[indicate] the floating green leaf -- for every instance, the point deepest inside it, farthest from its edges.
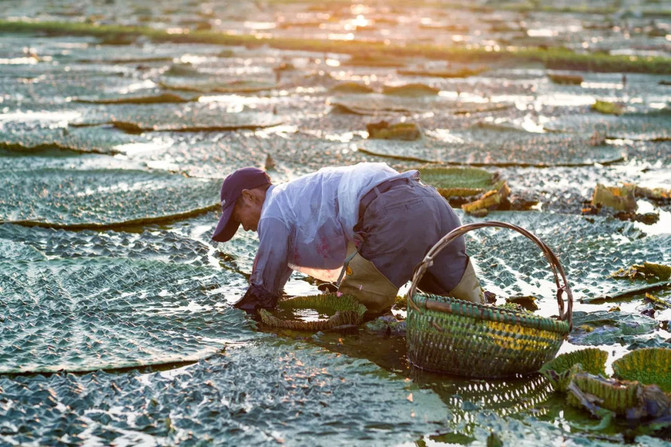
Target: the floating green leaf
(498, 148)
(559, 370)
(457, 182)
(95, 313)
(101, 198)
(341, 311)
(190, 117)
(650, 366)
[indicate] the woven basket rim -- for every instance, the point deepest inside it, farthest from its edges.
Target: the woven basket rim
(491, 313)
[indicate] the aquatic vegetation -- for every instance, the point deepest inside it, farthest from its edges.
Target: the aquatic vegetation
(528, 302)
(649, 366)
(25, 140)
(594, 393)
(486, 147)
(342, 310)
(453, 73)
(398, 131)
(456, 181)
(186, 117)
(559, 371)
(343, 390)
(78, 199)
(351, 88)
(608, 328)
(645, 271)
(565, 79)
(492, 199)
(91, 313)
(366, 53)
(619, 198)
(163, 98)
(607, 108)
(411, 90)
(216, 85)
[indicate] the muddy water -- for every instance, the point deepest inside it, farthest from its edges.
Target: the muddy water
(117, 326)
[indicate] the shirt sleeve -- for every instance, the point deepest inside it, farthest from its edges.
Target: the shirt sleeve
(271, 265)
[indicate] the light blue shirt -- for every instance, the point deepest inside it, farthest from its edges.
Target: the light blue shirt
(309, 221)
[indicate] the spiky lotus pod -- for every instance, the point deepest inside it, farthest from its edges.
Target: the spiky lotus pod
(559, 370)
(342, 310)
(594, 392)
(648, 366)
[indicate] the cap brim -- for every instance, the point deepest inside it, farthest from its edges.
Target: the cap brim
(226, 227)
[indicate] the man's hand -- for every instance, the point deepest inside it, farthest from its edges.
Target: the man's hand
(256, 298)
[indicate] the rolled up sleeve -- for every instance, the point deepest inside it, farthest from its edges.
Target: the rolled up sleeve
(271, 265)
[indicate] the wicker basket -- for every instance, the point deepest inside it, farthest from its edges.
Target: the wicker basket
(458, 337)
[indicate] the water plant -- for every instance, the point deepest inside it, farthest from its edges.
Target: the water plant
(560, 369)
(607, 108)
(412, 90)
(648, 366)
(342, 310)
(553, 58)
(457, 181)
(645, 271)
(398, 131)
(565, 79)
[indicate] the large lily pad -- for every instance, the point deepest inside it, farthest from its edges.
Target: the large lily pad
(101, 198)
(87, 314)
(607, 328)
(649, 366)
(457, 182)
(191, 117)
(499, 148)
(589, 248)
(650, 127)
(20, 138)
(373, 104)
(216, 85)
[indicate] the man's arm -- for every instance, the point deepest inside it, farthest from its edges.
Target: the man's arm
(271, 270)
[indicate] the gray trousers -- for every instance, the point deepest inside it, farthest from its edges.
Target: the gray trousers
(400, 226)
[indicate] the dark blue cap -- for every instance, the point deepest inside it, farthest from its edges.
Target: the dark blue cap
(231, 189)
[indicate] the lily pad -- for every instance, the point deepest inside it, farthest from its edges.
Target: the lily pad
(648, 127)
(457, 182)
(161, 98)
(376, 103)
(608, 328)
(342, 310)
(649, 366)
(190, 117)
(559, 370)
(22, 139)
(65, 198)
(351, 88)
(95, 313)
(589, 248)
(216, 85)
(487, 147)
(410, 90)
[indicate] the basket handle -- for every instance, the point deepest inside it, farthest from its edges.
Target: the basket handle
(556, 267)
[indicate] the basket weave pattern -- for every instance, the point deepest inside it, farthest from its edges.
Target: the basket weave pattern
(472, 346)
(452, 336)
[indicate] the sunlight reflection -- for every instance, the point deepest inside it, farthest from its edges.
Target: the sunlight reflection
(341, 36)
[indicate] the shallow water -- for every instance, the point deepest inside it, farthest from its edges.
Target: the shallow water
(117, 325)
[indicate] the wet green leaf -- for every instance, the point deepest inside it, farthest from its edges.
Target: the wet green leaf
(98, 198)
(96, 313)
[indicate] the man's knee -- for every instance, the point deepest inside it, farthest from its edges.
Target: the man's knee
(370, 287)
